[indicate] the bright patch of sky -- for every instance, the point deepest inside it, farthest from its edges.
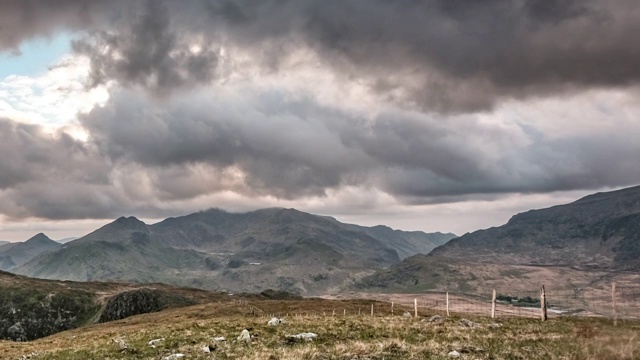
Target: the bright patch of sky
(34, 56)
(45, 85)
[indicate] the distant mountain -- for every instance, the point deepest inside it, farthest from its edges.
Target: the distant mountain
(283, 249)
(66, 240)
(3, 242)
(16, 254)
(599, 233)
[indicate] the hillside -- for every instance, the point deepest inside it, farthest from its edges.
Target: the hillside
(573, 245)
(284, 249)
(33, 308)
(16, 254)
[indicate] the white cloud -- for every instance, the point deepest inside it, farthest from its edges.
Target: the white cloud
(52, 99)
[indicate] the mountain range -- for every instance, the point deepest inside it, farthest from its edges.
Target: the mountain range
(283, 249)
(577, 244)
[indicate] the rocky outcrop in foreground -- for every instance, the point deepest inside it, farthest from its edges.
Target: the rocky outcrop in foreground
(141, 301)
(27, 314)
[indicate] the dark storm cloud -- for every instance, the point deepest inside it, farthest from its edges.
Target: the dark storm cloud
(247, 134)
(294, 148)
(28, 154)
(439, 55)
(24, 19)
(432, 63)
(149, 52)
(51, 177)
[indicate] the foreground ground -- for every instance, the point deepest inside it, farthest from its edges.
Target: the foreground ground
(350, 337)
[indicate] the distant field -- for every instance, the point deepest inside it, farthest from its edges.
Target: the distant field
(349, 337)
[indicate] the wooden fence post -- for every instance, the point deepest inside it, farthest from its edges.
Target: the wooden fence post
(543, 304)
(391, 308)
(415, 308)
(613, 303)
(493, 305)
(447, 299)
(345, 312)
(371, 309)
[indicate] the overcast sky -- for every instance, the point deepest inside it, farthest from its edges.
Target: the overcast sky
(422, 115)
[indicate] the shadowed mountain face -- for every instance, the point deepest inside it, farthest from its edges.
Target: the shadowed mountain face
(13, 255)
(576, 243)
(600, 231)
(284, 249)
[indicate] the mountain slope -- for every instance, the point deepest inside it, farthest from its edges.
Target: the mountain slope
(33, 308)
(598, 231)
(574, 244)
(283, 249)
(16, 254)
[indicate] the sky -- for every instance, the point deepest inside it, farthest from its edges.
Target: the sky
(431, 115)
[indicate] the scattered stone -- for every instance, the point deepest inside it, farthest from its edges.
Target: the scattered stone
(299, 337)
(274, 322)
(208, 348)
(436, 319)
(155, 342)
(121, 344)
(407, 314)
(454, 354)
(29, 356)
(495, 325)
(468, 323)
(219, 338)
(245, 337)
(173, 357)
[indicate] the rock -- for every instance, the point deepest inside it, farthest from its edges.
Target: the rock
(468, 323)
(173, 357)
(407, 314)
(245, 337)
(16, 332)
(453, 354)
(121, 343)
(208, 348)
(140, 301)
(219, 338)
(274, 322)
(301, 337)
(495, 325)
(436, 319)
(155, 342)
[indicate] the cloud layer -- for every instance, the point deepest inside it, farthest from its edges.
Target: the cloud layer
(366, 104)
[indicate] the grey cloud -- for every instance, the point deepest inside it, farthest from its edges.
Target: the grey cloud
(30, 155)
(25, 19)
(148, 52)
(295, 148)
(438, 55)
(248, 134)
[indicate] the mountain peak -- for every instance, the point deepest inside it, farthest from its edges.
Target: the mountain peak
(39, 238)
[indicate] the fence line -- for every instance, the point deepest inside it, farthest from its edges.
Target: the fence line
(618, 303)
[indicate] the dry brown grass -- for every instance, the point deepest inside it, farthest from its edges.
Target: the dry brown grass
(340, 337)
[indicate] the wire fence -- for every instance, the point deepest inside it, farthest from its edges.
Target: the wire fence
(618, 304)
(615, 303)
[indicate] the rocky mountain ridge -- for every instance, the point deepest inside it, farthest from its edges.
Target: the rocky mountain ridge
(284, 249)
(572, 245)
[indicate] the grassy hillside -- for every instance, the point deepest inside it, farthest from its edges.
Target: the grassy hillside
(33, 308)
(188, 330)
